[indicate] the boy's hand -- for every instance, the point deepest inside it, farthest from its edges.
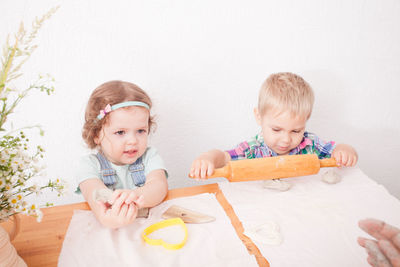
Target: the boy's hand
(201, 168)
(206, 163)
(345, 155)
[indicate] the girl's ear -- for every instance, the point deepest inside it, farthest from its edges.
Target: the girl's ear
(100, 134)
(97, 140)
(257, 116)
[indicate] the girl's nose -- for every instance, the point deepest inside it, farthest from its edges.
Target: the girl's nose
(132, 139)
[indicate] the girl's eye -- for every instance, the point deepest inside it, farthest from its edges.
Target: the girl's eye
(120, 132)
(296, 131)
(142, 131)
(275, 130)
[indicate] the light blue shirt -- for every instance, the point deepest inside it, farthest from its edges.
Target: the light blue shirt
(88, 167)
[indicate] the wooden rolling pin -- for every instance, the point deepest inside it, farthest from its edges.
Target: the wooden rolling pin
(272, 167)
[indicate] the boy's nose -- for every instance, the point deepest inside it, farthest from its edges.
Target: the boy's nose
(286, 138)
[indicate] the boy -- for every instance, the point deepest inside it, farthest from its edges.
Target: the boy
(284, 105)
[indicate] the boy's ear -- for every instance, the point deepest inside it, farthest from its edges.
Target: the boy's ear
(257, 116)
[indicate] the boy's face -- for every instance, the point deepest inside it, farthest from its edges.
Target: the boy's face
(123, 139)
(281, 131)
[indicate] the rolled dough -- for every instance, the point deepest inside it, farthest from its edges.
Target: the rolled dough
(331, 177)
(277, 184)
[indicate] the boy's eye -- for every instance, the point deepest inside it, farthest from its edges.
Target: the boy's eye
(275, 129)
(296, 131)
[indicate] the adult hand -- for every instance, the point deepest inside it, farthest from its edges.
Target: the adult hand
(384, 251)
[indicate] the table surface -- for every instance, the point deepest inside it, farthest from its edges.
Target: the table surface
(39, 244)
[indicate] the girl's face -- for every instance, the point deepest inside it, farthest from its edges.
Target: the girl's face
(123, 139)
(281, 131)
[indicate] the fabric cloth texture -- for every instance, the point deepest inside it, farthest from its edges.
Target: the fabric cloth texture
(88, 243)
(318, 221)
(89, 167)
(256, 148)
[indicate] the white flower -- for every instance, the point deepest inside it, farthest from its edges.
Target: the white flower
(8, 188)
(18, 166)
(32, 209)
(14, 165)
(39, 215)
(35, 189)
(61, 186)
(2, 182)
(15, 200)
(4, 214)
(5, 154)
(23, 153)
(6, 193)
(3, 160)
(37, 168)
(14, 179)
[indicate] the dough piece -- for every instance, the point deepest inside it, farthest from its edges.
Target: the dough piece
(331, 177)
(277, 184)
(267, 233)
(102, 194)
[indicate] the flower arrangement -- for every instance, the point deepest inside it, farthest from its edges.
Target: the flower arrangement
(20, 165)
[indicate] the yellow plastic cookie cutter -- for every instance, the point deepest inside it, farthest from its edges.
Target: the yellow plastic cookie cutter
(164, 224)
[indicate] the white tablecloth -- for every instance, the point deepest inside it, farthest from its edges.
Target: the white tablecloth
(88, 243)
(318, 221)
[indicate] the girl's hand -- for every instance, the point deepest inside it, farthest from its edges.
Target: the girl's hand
(201, 168)
(345, 155)
(128, 197)
(122, 208)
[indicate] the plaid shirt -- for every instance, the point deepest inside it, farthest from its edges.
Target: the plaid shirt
(256, 148)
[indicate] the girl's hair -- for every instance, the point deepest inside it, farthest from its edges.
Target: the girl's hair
(286, 91)
(112, 93)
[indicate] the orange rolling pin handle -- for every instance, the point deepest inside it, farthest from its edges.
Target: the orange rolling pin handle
(329, 162)
(225, 171)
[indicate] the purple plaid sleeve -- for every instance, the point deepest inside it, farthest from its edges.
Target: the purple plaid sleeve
(318, 146)
(240, 152)
(256, 148)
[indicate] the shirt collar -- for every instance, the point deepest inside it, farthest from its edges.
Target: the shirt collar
(304, 142)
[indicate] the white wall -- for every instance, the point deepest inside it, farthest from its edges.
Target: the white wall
(203, 62)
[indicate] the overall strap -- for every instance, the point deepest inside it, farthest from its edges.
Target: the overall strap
(107, 172)
(137, 172)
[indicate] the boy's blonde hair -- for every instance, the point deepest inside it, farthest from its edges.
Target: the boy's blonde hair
(286, 91)
(112, 93)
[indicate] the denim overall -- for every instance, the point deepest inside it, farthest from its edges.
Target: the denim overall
(108, 174)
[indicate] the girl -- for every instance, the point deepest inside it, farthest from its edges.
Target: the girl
(117, 125)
